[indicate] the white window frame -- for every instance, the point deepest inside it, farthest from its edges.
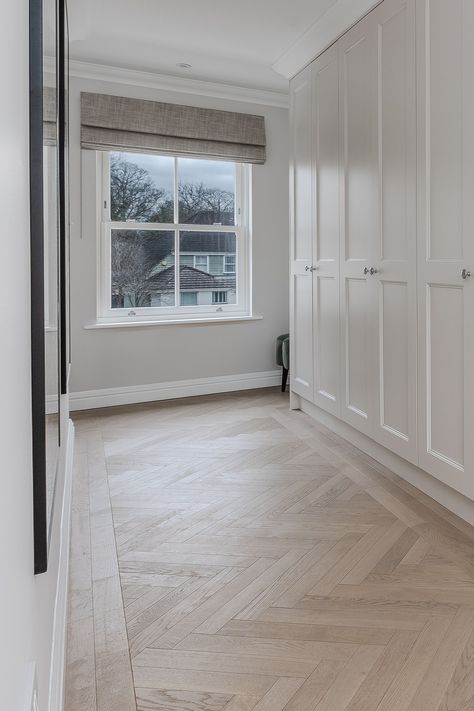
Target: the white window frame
(242, 230)
(219, 291)
(200, 256)
(224, 269)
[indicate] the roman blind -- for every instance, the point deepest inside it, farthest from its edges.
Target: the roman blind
(49, 116)
(137, 125)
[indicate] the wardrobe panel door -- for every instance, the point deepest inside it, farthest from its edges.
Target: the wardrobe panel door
(301, 351)
(358, 314)
(395, 425)
(325, 78)
(301, 206)
(446, 246)
(445, 324)
(358, 101)
(395, 366)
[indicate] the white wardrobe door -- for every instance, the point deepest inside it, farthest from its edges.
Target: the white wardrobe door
(446, 189)
(360, 222)
(395, 406)
(301, 199)
(325, 78)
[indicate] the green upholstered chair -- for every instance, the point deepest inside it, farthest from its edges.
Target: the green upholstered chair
(283, 357)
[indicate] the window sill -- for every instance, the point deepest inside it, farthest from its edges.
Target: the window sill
(171, 322)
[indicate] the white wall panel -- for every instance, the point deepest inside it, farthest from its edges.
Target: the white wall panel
(327, 343)
(357, 309)
(446, 244)
(360, 222)
(395, 395)
(445, 120)
(445, 372)
(301, 230)
(395, 259)
(327, 215)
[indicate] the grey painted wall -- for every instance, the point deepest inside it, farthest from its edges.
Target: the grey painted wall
(110, 358)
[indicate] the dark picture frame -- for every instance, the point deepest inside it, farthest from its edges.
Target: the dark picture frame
(63, 144)
(38, 377)
(49, 249)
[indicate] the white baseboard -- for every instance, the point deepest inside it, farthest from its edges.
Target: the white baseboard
(58, 652)
(51, 404)
(444, 495)
(107, 397)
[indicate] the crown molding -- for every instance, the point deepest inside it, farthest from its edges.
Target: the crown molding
(167, 82)
(337, 20)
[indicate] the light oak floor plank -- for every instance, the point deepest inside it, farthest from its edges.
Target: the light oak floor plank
(228, 554)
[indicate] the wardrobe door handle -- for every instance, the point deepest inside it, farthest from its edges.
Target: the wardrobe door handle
(465, 274)
(366, 270)
(373, 270)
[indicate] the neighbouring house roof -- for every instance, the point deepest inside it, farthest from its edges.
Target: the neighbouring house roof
(158, 248)
(190, 279)
(211, 217)
(195, 242)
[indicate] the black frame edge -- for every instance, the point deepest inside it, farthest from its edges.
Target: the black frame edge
(63, 203)
(40, 523)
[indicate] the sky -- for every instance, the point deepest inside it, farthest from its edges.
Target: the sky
(213, 173)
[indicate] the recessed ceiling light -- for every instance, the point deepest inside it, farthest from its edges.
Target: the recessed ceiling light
(184, 65)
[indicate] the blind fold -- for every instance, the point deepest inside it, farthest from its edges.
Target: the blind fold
(121, 123)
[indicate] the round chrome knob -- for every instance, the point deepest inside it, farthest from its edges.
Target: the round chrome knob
(465, 274)
(366, 270)
(373, 270)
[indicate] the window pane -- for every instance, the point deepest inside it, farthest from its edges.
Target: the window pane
(229, 263)
(141, 188)
(206, 191)
(201, 262)
(219, 297)
(188, 298)
(208, 249)
(142, 268)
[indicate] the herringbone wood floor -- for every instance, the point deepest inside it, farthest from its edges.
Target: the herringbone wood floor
(229, 555)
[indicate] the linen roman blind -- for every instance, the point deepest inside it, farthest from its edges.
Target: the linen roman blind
(49, 116)
(125, 124)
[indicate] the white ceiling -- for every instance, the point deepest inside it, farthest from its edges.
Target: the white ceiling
(227, 41)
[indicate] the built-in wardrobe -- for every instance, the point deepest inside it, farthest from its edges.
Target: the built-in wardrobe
(382, 237)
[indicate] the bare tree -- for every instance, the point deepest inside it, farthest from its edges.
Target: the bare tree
(130, 270)
(204, 205)
(134, 195)
(135, 260)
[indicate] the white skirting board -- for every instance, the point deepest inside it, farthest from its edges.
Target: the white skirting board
(51, 404)
(444, 495)
(107, 397)
(58, 652)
